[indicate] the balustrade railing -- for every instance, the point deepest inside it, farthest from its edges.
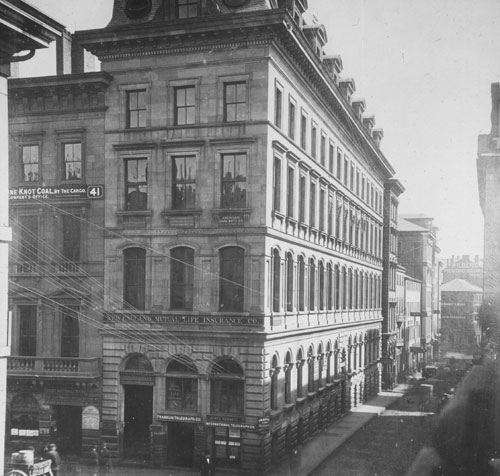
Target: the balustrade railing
(46, 366)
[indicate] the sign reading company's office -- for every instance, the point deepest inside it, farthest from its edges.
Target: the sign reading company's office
(56, 192)
(191, 320)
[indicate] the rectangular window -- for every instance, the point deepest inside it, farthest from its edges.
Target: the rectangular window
(184, 105)
(31, 161)
(181, 278)
(291, 120)
(346, 171)
(277, 185)
(357, 183)
(136, 108)
(27, 330)
(136, 185)
(70, 338)
(322, 197)
(331, 157)
(363, 188)
(303, 130)
(73, 161)
(314, 139)
(322, 151)
(312, 205)
(339, 164)
(187, 8)
(351, 182)
(235, 101)
(28, 239)
(331, 203)
(71, 235)
(278, 105)
(290, 209)
(184, 182)
(234, 177)
(302, 202)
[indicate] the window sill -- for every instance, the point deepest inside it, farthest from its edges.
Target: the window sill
(185, 218)
(132, 213)
(288, 407)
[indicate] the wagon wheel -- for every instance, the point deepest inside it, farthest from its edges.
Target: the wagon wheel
(16, 472)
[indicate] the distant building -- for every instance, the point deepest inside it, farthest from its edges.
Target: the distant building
(488, 173)
(418, 253)
(464, 267)
(460, 330)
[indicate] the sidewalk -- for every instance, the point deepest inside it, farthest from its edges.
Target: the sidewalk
(323, 444)
(312, 453)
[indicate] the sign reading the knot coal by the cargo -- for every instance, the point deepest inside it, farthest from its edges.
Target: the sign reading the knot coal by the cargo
(57, 192)
(190, 320)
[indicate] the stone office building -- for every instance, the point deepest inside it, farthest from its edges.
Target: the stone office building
(242, 236)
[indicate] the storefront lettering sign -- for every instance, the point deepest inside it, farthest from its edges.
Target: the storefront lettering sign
(226, 419)
(90, 418)
(244, 426)
(184, 418)
(57, 192)
(194, 320)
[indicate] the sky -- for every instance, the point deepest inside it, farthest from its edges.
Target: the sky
(425, 69)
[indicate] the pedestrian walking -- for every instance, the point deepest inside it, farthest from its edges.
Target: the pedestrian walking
(104, 461)
(55, 459)
(295, 462)
(94, 454)
(207, 465)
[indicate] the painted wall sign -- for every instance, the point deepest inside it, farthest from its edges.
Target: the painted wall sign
(184, 418)
(175, 319)
(56, 192)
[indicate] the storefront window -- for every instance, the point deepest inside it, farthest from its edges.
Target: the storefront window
(227, 388)
(24, 411)
(227, 446)
(182, 386)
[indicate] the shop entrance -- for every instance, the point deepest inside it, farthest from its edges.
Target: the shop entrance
(180, 444)
(137, 419)
(69, 429)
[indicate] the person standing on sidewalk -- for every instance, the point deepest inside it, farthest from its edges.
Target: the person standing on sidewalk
(94, 453)
(295, 462)
(55, 459)
(105, 468)
(207, 465)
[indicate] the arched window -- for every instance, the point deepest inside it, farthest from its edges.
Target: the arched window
(361, 350)
(300, 364)
(312, 284)
(276, 280)
(181, 278)
(231, 278)
(344, 288)
(289, 282)
(329, 287)
(361, 291)
(349, 355)
(227, 387)
(24, 413)
(302, 283)
(288, 377)
(310, 370)
(320, 357)
(337, 287)
(134, 279)
(356, 290)
(275, 370)
(137, 371)
(182, 385)
(336, 359)
(321, 275)
(350, 290)
(328, 355)
(355, 354)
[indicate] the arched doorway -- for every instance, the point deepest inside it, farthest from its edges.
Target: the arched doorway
(138, 383)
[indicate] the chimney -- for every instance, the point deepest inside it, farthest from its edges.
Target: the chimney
(359, 106)
(378, 135)
(369, 122)
(71, 58)
(347, 86)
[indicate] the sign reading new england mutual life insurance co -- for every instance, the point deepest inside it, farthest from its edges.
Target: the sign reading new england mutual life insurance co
(57, 192)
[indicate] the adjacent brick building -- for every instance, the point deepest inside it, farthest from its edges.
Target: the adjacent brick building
(232, 241)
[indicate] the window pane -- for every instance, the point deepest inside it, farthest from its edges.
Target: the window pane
(135, 277)
(231, 279)
(71, 238)
(30, 163)
(136, 172)
(182, 278)
(70, 332)
(27, 330)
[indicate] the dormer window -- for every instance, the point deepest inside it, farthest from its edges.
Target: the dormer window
(187, 8)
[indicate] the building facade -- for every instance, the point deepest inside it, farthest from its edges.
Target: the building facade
(488, 164)
(460, 329)
(418, 253)
(236, 280)
(464, 267)
(23, 31)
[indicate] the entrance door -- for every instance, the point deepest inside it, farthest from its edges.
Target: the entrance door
(138, 417)
(180, 444)
(69, 429)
